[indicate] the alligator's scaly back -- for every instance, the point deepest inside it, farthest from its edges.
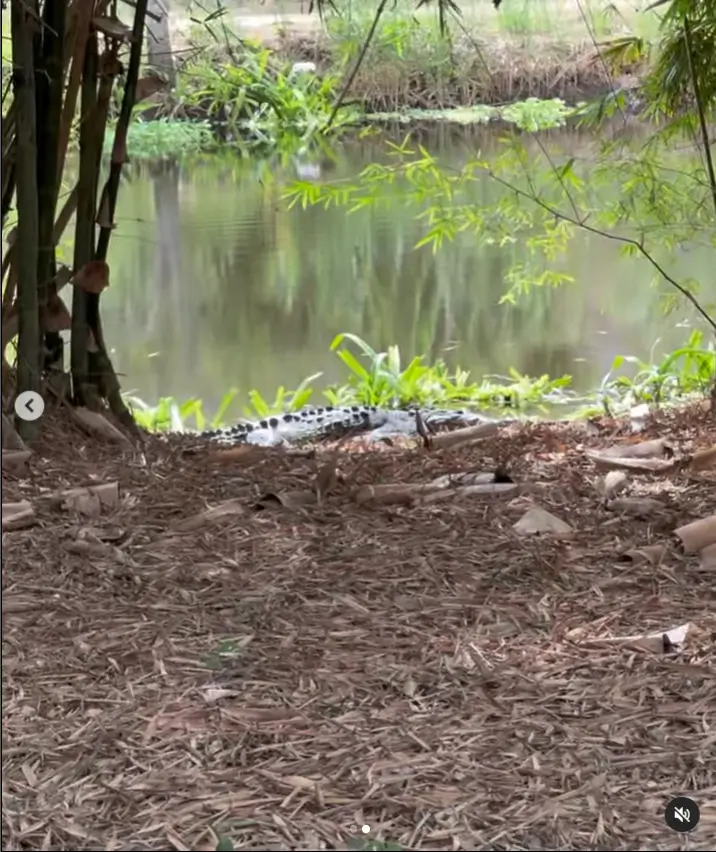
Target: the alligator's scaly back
(315, 423)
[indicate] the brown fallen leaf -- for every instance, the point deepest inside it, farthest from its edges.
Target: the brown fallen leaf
(112, 27)
(326, 478)
(17, 516)
(614, 483)
(15, 460)
(460, 437)
(634, 465)
(148, 86)
(97, 549)
(658, 448)
(56, 316)
(539, 520)
(488, 489)
(241, 452)
(388, 494)
(95, 424)
(652, 553)
(708, 557)
(454, 480)
(225, 510)
(212, 694)
(10, 439)
(657, 642)
(90, 500)
(639, 507)
(294, 500)
(697, 535)
(93, 277)
(704, 459)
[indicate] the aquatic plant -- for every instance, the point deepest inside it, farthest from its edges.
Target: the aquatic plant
(165, 137)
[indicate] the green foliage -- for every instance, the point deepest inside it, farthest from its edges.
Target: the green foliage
(153, 140)
(170, 415)
(686, 50)
(686, 372)
(283, 400)
(258, 101)
(381, 379)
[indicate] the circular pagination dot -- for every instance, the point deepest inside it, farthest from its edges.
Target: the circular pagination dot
(365, 829)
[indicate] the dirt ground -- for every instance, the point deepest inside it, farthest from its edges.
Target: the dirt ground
(284, 672)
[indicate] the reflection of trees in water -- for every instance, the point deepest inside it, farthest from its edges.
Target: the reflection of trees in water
(227, 271)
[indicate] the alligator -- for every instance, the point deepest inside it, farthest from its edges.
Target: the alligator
(332, 422)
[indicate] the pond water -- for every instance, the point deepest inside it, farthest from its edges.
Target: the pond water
(215, 284)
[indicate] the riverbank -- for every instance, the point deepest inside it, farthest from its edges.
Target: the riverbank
(280, 673)
(543, 49)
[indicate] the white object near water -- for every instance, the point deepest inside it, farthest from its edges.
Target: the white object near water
(302, 68)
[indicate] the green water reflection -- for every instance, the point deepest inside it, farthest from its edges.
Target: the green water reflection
(216, 284)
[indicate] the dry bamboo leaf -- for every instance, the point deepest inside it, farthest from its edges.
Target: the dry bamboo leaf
(634, 465)
(93, 277)
(538, 520)
(17, 516)
(653, 554)
(212, 694)
(489, 489)
(243, 452)
(148, 86)
(639, 417)
(326, 478)
(15, 460)
(90, 500)
(96, 424)
(98, 550)
(658, 642)
(708, 557)
(109, 65)
(704, 459)
(57, 317)
(10, 439)
(657, 448)
(227, 509)
(454, 480)
(112, 27)
(614, 483)
(698, 534)
(639, 507)
(393, 494)
(294, 500)
(460, 437)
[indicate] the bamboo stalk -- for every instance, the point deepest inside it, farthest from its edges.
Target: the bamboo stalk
(28, 348)
(84, 225)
